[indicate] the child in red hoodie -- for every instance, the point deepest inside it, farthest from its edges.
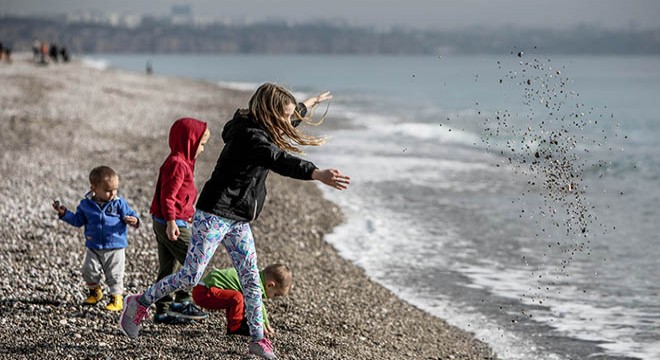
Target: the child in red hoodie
(172, 209)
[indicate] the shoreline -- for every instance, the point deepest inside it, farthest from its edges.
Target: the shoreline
(59, 121)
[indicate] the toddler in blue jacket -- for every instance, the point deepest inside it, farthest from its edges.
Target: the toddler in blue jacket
(105, 217)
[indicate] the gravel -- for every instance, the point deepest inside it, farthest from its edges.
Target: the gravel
(59, 121)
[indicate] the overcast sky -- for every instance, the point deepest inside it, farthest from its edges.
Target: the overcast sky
(443, 14)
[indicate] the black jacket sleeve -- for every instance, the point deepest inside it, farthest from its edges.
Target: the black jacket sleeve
(272, 157)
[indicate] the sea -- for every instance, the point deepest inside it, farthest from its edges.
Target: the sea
(515, 196)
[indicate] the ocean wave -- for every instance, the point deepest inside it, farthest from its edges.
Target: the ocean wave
(252, 86)
(242, 86)
(375, 238)
(99, 64)
(574, 313)
(426, 131)
(391, 126)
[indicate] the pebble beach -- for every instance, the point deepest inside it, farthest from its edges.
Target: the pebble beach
(59, 121)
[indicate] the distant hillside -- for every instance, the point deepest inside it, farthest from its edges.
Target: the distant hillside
(159, 36)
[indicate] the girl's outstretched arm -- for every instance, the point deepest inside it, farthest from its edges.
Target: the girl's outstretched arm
(332, 177)
(315, 100)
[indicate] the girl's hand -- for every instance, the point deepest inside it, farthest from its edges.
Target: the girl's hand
(269, 332)
(315, 100)
(332, 177)
(61, 210)
(132, 221)
(172, 230)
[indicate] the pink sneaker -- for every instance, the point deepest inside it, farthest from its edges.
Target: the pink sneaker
(262, 348)
(132, 316)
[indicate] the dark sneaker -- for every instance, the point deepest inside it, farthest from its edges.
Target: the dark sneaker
(171, 320)
(132, 316)
(244, 329)
(262, 348)
(186, 310)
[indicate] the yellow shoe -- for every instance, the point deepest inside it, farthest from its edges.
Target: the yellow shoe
(116, 303)
(95, 295)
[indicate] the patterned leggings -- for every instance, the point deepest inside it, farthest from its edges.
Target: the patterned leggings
(208, 231)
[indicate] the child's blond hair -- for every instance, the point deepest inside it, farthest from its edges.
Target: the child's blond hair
(267, 104)
(280, 274)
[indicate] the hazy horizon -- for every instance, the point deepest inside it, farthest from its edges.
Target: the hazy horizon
(420, 14)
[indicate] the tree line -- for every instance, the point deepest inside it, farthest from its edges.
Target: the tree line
(160, 36)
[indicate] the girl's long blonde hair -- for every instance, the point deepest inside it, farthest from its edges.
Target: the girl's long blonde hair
(267, 108)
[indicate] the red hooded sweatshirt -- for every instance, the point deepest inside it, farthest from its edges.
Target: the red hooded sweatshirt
(175, 189)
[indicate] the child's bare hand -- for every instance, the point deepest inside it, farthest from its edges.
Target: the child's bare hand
(323, 97)
(332, 177)
(61, 210)
(315, 100)
(132, 221)
(172, 230)
(269, 332)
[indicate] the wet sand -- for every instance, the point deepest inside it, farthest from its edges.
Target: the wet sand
(59, 121)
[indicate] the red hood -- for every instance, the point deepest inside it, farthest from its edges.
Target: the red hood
(185, 136)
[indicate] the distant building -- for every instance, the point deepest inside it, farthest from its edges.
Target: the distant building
(104, 18)
(132, 21)
(181, 14)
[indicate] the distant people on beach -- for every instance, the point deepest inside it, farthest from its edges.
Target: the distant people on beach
(5, 53)
(53, 52)
(64, 53)
(172, 210)
(149, 69)
(257, 140)
(221, 290)
(105, 217)
(43, 52)
(36, 51)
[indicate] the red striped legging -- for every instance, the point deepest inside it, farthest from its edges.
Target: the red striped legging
(214, 298)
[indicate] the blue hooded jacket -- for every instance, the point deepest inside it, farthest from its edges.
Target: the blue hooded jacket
(104, 226)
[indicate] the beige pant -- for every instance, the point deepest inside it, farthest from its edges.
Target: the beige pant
(109, 262)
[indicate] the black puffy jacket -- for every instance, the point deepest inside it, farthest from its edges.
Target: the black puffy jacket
(237, 187)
